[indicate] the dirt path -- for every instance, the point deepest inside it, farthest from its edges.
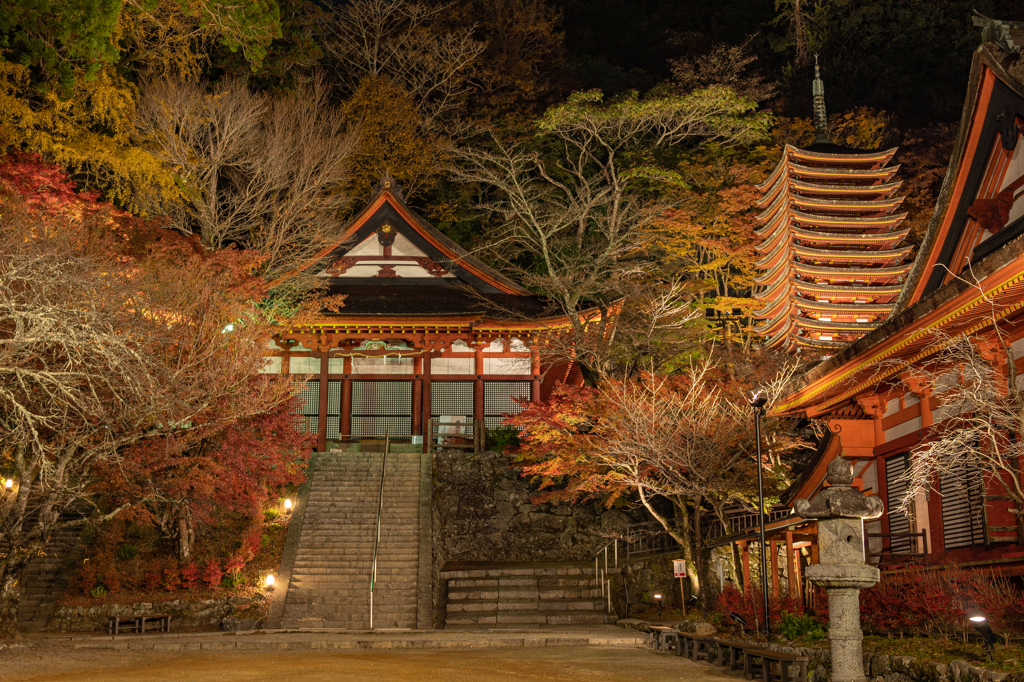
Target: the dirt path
(556, 664)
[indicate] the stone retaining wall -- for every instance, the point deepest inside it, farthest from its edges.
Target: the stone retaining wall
(185, 614)
(876, 668)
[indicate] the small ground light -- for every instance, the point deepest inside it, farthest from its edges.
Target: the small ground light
(661, 604)
(9, 483)
(287, 504)
(980, 624)
(269, 580)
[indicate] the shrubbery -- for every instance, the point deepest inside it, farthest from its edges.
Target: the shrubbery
(940, 602)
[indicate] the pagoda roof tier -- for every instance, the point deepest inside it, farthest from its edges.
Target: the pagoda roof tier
(776, 308)
(880, 275)
(833, 275)
(854, 157)
(836, 291)
(885, 240)
(775, 325)
(840, 307)
(866, 192)
(863, 223)
(779, 272)
(882, 206)
(809, 342)
(867, 176)
(818, 326)
(772, 292)
(828, 207)
(780, 247)
(882, 257)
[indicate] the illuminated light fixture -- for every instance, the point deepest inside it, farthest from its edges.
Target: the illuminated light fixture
(825, 337)
(980, 624)
(269, 580)
(228, 328)
(9, 483)
(862, 319)
(287, 504)
(824, 300)
(824, 319)
(661, 604)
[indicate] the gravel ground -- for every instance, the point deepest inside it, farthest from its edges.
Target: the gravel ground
(582, 663)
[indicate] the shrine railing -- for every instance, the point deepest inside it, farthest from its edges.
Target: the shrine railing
(903, 548)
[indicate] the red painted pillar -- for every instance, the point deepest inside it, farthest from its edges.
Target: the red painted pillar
(426, 400)
(478, 385)
(346, 399)
(535, 371)
(417, 397)
(321, 434)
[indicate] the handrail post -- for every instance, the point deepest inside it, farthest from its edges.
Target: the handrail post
(380, 509)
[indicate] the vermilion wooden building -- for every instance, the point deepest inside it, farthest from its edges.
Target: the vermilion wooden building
(830, 243)
(967, 278)
(428, 335)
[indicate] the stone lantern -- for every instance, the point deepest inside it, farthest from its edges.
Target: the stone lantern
(842, 571)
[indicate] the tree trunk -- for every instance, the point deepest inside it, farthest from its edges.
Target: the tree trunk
(685, 542)
(184, 537)
(10, 591)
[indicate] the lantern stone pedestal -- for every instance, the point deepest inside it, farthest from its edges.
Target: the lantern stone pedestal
(842, 571)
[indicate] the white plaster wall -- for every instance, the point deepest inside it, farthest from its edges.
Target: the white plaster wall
(452, 366)
(460, 346)
(910, 399)
(1014, 171)
(271, 366)
(909, 426)
(517, 366)
(336, 366)
(304, 365)
(382, 365)
(892, 407)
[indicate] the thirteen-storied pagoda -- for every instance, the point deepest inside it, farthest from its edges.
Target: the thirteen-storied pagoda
(831, 255)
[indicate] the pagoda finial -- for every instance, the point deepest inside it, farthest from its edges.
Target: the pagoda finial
(820, 117)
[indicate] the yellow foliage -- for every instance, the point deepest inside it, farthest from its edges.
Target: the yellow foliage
(393, 139)
(92, 133)
(862, 128)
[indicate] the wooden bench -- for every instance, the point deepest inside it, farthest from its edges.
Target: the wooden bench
(730, 654)
(115, 624)
(661, 638)
(768, 657)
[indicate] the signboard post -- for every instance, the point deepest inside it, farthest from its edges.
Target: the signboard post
(679, 569)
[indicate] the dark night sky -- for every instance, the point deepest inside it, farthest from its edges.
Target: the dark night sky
(910, 57)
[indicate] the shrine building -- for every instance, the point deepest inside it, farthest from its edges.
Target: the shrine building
(429, 337)
(876, 388)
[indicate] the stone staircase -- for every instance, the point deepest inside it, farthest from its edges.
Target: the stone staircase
(40, 581)
(523, 596)
(329, 581)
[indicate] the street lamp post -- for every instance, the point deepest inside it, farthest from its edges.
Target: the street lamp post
(758, 402)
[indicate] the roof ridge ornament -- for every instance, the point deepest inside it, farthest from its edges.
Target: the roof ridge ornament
(387, 182)
(820, 116)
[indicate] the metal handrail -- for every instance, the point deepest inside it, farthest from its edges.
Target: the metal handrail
(380, 508)
(603, 581)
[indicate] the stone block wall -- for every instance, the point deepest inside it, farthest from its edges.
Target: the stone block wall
(482, 512)
(185, 614)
